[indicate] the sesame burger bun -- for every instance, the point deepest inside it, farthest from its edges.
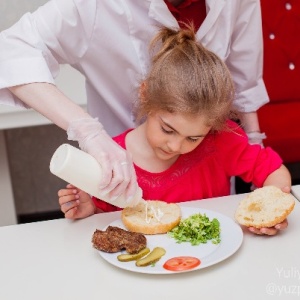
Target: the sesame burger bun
(264, 207)
(151, 217)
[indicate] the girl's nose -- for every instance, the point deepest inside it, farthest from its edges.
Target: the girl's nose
(174, 145)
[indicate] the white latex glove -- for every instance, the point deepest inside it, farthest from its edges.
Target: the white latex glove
(256, 138)
(250, 123)
(119, 176)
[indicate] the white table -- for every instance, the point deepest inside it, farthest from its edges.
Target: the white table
(72, 84)
(55, 260)
(296, 191)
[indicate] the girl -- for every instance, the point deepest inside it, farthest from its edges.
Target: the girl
(186, 147)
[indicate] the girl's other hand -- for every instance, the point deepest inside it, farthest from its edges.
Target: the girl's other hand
(269, 230)
(74, 203)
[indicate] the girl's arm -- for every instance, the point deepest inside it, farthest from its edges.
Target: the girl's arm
(280, 178)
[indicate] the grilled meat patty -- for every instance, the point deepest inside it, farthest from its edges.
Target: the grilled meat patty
(115, 239)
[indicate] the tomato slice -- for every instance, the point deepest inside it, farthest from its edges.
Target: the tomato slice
(181, 263)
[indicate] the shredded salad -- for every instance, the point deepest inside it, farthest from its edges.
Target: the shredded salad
(197, 229)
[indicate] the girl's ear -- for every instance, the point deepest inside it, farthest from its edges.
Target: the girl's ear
(142, 91)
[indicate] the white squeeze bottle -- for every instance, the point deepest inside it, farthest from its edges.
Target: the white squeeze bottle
(83, 171)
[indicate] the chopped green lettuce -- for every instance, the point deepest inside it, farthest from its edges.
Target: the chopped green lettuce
(197, 229)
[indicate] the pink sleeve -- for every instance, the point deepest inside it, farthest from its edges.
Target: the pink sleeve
(250, 162)
(106, 207)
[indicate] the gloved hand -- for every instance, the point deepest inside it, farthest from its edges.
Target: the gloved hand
(119, 176)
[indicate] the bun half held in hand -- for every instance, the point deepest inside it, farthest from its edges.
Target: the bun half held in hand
(264, 207)
(151, 217)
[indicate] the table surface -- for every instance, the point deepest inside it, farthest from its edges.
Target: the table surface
(296, 191)
(56, 260)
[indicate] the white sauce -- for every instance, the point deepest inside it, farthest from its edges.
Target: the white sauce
(157, 213)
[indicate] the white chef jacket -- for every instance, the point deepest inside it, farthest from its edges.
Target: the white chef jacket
(107, 41)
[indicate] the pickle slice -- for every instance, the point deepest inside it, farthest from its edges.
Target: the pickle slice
(130, 257)
(151, 258)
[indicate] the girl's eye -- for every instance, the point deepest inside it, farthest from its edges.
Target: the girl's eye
(166, 131)
(193, 140)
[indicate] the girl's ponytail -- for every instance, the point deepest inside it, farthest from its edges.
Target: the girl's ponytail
(169, 39)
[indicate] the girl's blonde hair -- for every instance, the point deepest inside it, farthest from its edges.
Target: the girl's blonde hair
(186, 78)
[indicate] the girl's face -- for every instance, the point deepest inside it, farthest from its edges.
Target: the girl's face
(173, 134)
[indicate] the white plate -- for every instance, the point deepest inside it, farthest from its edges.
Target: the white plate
(209, 254)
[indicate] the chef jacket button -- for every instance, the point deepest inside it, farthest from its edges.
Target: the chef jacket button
(288, 6)
(272, 36)
(291, 66)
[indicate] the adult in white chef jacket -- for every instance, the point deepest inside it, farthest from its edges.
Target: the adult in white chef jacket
(107, 41)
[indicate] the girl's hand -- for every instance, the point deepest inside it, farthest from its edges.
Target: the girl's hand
(269, 230)
(278, 227)
(74, 203)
